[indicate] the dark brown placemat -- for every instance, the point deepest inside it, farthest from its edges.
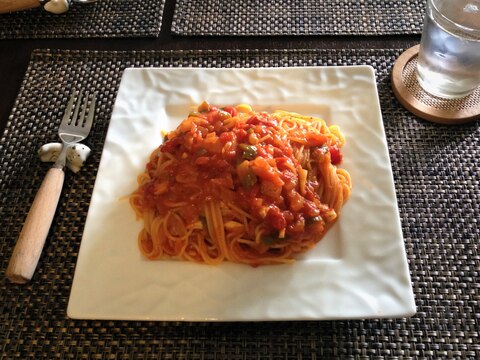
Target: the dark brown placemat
(298, 17)
(437, 180)
(104, 18)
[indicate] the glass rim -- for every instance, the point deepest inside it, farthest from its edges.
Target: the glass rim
(472, 31)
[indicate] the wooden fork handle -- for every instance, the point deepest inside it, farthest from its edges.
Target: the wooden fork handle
(30, 243)
(7, 6)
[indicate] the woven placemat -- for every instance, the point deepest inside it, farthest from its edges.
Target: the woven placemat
(437, 180)
(104, 18)
(298, 17)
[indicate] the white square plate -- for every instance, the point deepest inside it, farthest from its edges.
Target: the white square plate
(358, 270)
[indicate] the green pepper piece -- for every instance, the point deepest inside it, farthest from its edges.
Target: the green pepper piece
(249, 151)
(269, 239)
(249, 180)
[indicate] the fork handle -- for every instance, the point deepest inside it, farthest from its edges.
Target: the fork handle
(30, 243)
(7, 6)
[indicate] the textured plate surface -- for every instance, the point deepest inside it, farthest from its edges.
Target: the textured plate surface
(359, 269)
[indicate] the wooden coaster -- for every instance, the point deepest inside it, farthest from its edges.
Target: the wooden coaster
(429, 107)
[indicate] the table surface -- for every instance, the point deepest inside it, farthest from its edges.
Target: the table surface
(15, 57)
(15, 54)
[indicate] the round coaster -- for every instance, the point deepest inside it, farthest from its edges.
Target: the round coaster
(430, 107)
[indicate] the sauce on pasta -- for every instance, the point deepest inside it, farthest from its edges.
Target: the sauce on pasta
(233, 184)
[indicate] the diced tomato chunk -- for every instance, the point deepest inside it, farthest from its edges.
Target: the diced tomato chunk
(212, 116)
(202, 160)
(275, 218)
(226, 136)
(262, 169)
(314, 139)
(170, 145)
(241, 135)
(262, 119)
(231, 110)
(335, 155)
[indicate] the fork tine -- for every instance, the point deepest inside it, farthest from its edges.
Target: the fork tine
(68, 110)
(84, 109)
(91, 111)
(77, 108)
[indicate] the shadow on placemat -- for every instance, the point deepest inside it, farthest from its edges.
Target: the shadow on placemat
(436, 174)
(104, 18)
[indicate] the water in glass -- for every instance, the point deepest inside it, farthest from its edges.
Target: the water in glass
(449, 57)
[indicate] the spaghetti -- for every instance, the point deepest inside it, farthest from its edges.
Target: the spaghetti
(232, 184)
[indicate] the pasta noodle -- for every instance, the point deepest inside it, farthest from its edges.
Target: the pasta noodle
(233, 184)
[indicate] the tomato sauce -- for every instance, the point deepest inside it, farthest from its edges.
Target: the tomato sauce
(250, 163)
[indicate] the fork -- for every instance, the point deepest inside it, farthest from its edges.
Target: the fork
(75, 126)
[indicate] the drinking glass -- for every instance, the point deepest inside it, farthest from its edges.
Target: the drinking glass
(449, 58)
